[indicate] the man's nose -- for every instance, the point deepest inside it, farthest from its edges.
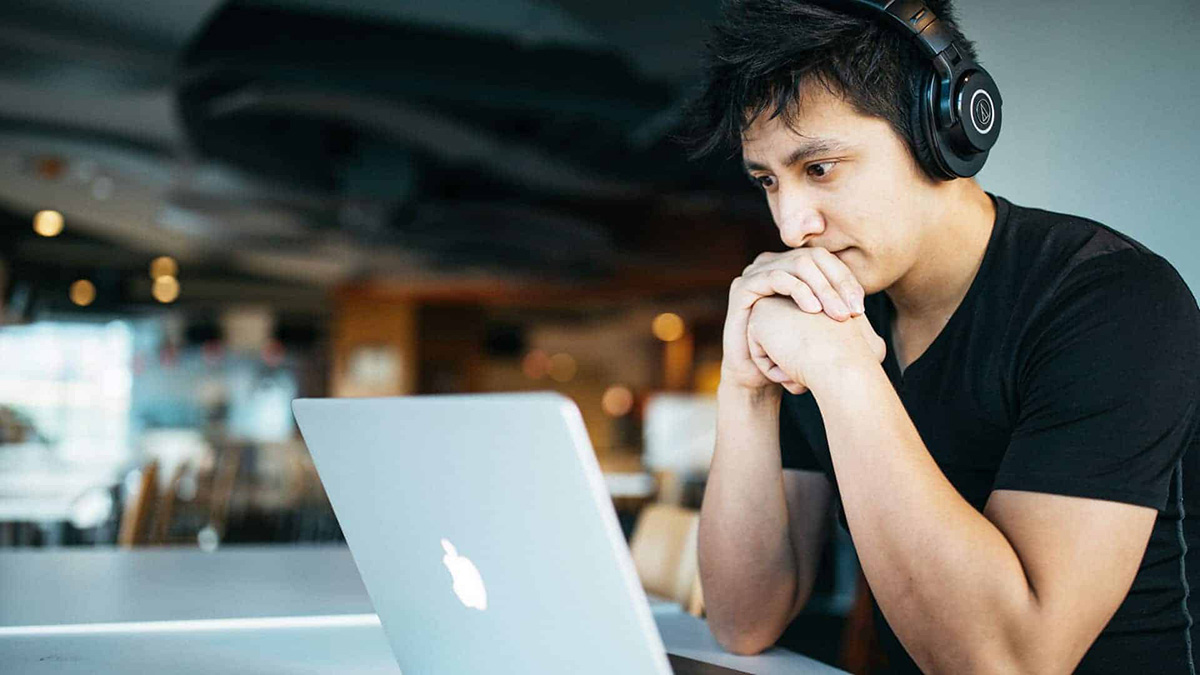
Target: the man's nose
(799, 223)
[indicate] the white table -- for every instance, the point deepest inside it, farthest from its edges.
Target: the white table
(244, 610)
(36, 486)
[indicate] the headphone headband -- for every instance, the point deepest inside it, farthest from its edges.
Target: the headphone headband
(960, 106)
(914, 18)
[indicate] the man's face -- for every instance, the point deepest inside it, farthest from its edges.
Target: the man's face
(841, 180)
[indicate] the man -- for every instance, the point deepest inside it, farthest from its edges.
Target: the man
(1001, 402)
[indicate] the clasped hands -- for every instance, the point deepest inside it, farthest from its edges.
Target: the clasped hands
(793, 318)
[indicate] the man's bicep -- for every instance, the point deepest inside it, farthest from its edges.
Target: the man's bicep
(809, 496)
(1080, 556)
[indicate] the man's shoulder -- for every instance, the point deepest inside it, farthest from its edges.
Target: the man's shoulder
(1065, 272)
(1066, 240)
(1046, 253)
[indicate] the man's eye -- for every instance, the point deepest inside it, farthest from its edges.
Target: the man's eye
(764, 182)
(820, 169)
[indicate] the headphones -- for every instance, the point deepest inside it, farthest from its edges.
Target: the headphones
(958, 114)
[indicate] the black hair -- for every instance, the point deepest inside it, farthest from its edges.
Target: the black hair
(763, 52)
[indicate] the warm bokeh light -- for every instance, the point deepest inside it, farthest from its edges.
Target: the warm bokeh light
(83, 293)
(708, 377)
(562, 367)
(164, 266)
(536, 364)
(667, 327)
(166, 289)
(617, 401)
(48, 223)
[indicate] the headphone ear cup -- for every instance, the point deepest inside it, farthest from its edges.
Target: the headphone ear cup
(922, 124)
(938, 144)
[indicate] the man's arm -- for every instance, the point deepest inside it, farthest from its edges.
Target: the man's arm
(762, 529)
(1107, 406)
(1025, 587)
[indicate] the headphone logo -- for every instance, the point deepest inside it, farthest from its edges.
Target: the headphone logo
(982, 111)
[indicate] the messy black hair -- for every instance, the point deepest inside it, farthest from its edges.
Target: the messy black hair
(763, 53)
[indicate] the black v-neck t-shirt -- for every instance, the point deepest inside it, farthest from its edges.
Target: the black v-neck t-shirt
(1072, 367)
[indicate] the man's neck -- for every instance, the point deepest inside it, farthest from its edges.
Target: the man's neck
(953, 250)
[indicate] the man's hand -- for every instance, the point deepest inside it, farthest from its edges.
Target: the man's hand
(790, 346)
(815, 280)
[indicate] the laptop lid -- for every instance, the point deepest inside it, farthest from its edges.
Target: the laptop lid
(483, 533)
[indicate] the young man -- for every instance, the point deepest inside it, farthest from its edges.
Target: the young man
(1001, 402)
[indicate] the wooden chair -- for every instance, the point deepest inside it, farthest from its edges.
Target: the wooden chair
(177, 520)
(695, 605)
(138, 517)
(167, 505)
(664, 553)
(861, 653)
(224, 480)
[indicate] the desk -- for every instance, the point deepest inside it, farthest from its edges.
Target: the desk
(248, 610)
(95, 585)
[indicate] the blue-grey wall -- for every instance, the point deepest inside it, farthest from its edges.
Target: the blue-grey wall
(1102, 106)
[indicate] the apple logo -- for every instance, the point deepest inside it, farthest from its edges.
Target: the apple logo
(468, 585)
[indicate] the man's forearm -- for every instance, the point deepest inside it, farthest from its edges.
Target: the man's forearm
(948, 581)
(745, 555)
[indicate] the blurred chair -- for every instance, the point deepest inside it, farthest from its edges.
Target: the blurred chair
(166, 506)
(224, 480)
(194, 507)
(861, 652)
(664, 549)
(671, 487)
(695, 605)
(138, 517)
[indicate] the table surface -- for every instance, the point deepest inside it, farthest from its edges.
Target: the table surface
(239, 609)
(66, 586)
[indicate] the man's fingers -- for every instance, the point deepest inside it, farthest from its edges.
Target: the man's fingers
(806, 299)
(771, 371)
(841, 278)
(832, 283)
(760, 259)
(767, 367)
(794, 388)
(759, 357)
(764, 366)
(800, 292)
(808, 272)
(777, 282)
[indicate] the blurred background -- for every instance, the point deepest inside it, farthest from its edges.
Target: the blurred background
(209, 208)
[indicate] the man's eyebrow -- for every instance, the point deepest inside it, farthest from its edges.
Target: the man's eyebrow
(807, 150)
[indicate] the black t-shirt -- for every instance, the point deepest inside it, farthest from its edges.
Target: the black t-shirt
(1072, 366)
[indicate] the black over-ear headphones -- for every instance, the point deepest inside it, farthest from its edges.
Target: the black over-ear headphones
(958, 116)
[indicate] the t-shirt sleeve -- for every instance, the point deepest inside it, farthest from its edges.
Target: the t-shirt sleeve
(794, 448)
(1107, 391)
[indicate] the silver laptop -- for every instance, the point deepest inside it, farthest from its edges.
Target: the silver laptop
(484, 534)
